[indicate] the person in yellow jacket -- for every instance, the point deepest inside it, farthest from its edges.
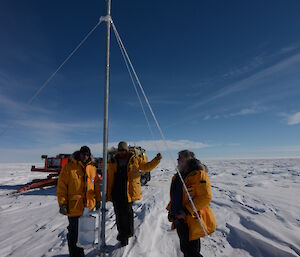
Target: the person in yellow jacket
(181, 212)
(124, 187)
(78, 187)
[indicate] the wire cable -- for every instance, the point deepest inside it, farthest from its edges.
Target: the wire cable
(29, 102)
(159, 128)
(138, 95)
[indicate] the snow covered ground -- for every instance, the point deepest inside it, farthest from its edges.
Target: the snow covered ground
(256, 203)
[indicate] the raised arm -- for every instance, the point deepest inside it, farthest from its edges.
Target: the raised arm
(148, 166)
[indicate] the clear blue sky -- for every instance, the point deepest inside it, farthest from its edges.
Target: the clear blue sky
(223, 77)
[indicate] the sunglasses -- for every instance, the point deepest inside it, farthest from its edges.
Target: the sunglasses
(85, 154)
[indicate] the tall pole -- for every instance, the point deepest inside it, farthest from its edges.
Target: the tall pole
(101, 235)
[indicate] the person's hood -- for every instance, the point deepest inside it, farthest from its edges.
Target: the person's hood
(76, 157)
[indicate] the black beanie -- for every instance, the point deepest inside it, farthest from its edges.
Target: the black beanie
(85, 149)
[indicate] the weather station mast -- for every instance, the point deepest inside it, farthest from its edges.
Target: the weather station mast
(101, 234)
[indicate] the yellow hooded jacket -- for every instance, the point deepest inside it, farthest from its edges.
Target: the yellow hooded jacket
(198, 185)
(135, 164)
(78, 188)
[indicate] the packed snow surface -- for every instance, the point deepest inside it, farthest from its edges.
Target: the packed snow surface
(256, 204)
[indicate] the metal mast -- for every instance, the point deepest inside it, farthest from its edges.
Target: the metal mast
(101, 235)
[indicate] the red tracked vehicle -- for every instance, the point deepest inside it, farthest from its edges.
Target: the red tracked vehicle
(53, 166)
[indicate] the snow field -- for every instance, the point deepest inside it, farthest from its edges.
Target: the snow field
(256, 204)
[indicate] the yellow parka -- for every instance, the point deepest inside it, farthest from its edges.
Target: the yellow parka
(135, 164)
(78, 187)
(198, 185)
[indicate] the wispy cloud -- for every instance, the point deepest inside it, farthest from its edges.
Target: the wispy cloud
(49, 132)
(255, 109)
(233, 72)
(43, 124)
(290, 119)
(245, 111)
(11, 107)
(261, 59)
(294, 119)
(8, 105)
(253, 64)
(252, 80)
(289, 48)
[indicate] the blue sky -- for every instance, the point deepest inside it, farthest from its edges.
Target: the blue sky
(222, 77)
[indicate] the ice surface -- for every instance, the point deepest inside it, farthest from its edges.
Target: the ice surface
(256, 203)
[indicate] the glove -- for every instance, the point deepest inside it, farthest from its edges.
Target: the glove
(158, 156)
(63, 209)
(171, 218)
(98, 205)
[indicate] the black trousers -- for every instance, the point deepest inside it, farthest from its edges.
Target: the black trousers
(72, 237)
(189, 248)
(124, 219)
